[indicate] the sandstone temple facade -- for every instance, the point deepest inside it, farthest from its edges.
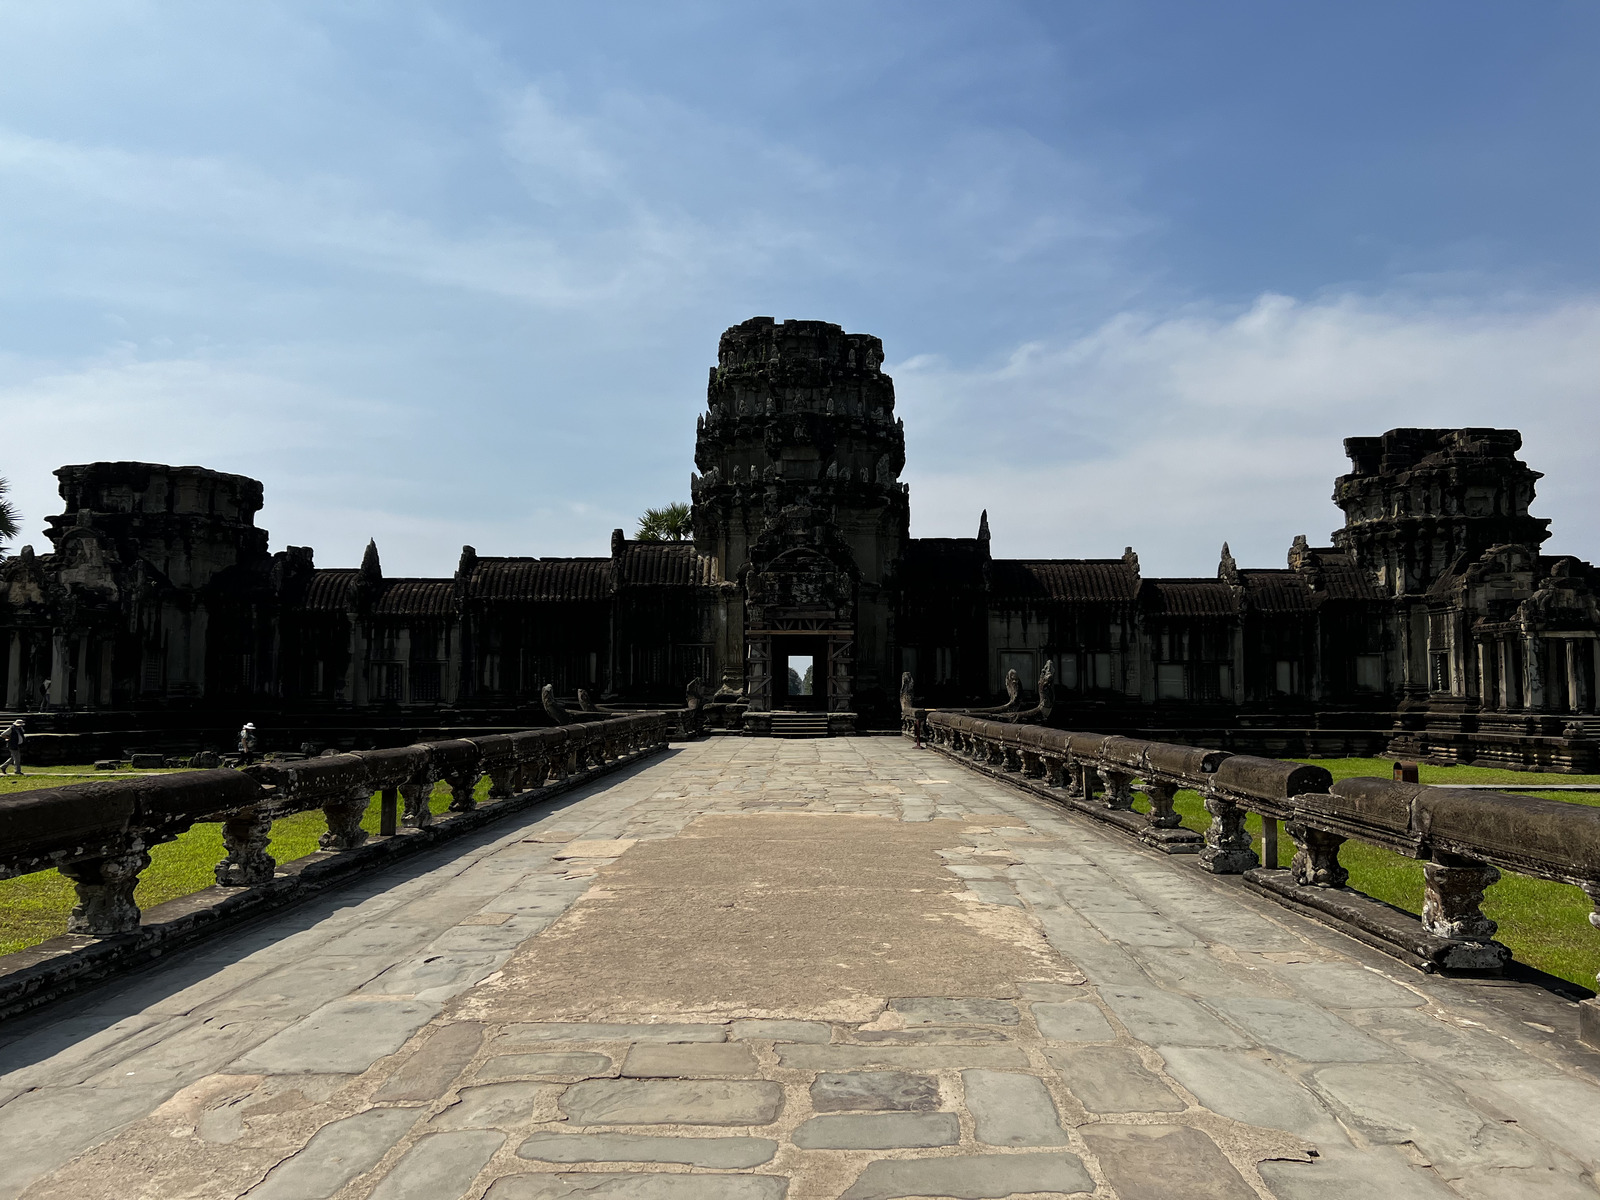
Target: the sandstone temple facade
(1432, 625)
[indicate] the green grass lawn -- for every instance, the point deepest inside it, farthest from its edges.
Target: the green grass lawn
(1545, 924)
(34, 908)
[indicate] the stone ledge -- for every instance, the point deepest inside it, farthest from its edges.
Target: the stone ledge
(1380, 925)
(40, 974)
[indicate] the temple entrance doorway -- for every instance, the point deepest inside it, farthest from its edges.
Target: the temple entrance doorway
(800, 672)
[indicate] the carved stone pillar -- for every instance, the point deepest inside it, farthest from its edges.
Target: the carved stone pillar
(245, 835)
(461, 791)
(1316, 858)
(1533, 673)
(105, 894)
(1118, 794)
(501, 782)
(416, 794)
(344, 822)
(1453, 889)
(1161, 814)
(1227, 850)
(1054, 771)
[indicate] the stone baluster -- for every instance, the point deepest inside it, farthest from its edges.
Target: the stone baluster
(245, 835)
(461, 785)
(1073, 770)
(1227, 849)
(417, 792)
(344, 821)
(1118, 794)
(1162, 815)
(502, 781)
(1055, 771)
(1316, 857)
(1032, 765)
(1453, 889)
(1010, 758)
(1088, 781)
(105, 893)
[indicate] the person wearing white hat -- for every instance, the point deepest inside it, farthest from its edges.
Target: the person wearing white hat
(14, 737)
(247, 743)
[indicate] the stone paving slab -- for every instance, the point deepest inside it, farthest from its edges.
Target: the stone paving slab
(723, 1153)
(795, 971)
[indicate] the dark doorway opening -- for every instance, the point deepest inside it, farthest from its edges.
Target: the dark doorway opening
(800, 673)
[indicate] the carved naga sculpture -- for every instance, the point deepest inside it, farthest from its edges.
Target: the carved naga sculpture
(557, 711)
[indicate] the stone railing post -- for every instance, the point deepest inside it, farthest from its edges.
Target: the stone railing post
(1118, 795)
(1316, 858)
(416, 792)
(1453, 889)
(389, 812)
(1227, 849)
(245, 835)
(1162, 815)
(461, 785)
(344, 821)
(105, 893)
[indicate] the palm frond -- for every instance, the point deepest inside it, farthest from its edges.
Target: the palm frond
(668, 524)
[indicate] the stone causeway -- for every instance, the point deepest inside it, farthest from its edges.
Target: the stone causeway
(759, 969)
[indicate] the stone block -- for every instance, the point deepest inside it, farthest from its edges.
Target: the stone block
(146, 762)
(782, 1031)
(717, 1153)
(883, 1091)
(439, 1165)
(1009, 1109)
(555, 1031)
(654, 1060)
(1305, 1030)
(434, 976)
(1161, 1018)
(573, 1064)
(1252, 1091)
(346, 1036)
(673, 1102)
(1111, 1079)
(430, 1072)
(498, 1106)
(335, 1155)
(1158, 1162)
(934, 1010)
(1345, 985)
(915, 1058)
(878, 1131)
(971, 1177)
(934, 1035)
(1075, 1021)
(638, 1186)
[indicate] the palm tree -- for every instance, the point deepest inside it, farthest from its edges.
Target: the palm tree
(669, 524)
(10, 518)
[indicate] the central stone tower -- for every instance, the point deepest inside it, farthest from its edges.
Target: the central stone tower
(800, 502)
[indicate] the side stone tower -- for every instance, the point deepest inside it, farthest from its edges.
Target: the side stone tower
(800, 501)
(1417, 500)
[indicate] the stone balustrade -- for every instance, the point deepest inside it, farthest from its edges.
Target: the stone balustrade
(100, 834)
(1464, 837)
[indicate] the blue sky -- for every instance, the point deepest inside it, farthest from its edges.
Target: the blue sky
(454, 273)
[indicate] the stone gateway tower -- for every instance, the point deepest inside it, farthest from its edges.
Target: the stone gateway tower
(801, 505)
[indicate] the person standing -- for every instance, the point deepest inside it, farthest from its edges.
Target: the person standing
(14, 737)
(44, 695)
(247, 743)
